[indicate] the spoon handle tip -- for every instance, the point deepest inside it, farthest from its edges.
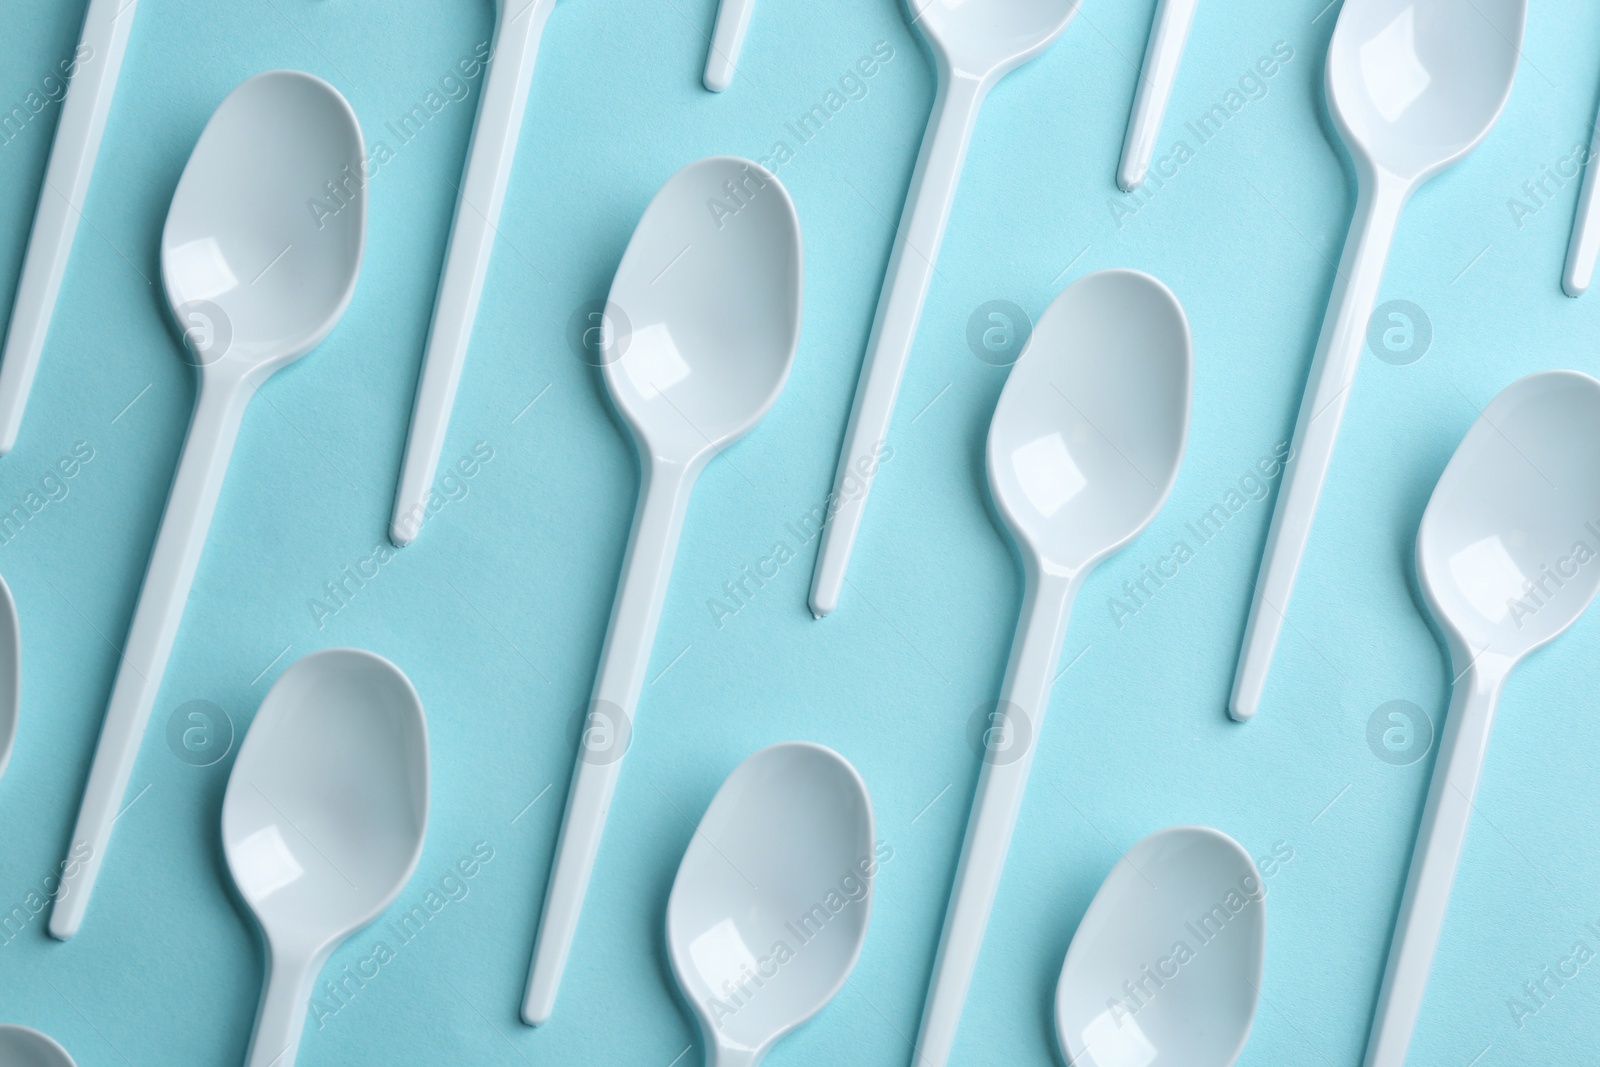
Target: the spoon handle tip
(1161, 59)
(733, 19)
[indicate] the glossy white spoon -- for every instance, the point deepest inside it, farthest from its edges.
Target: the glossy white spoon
(1413, 86)
(733, 19)
(706, 316)
(1507, 560)
(91, 76)
(10, 674)
(975, 43)
(1165, 967)
(21, 1046)
(1162, 54)
(770, 907)
(323, 821)
(1083, 450)
(518, 29)
(255, 280)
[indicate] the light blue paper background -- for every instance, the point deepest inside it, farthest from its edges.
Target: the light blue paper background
(498, 611)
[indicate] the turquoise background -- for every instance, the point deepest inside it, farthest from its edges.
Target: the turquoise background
(498, 611)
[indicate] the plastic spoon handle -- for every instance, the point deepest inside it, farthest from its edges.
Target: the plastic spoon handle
(1333, 371)
(733, 18)
(1161, 58)
(1025, 696)
(466, 259)
(66, 186)
(1433, 863)
(911, 265)
(281, 1016)
(1585, 227)
(201, 469)
(623, 661)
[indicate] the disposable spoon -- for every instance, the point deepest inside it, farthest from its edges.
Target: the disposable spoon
(1166, 965)
(10, 674)
(21, 1046)
(1585, 243)
(733, 18)
(706, 317)
(323, 821)
(1506, 557)
(255, 280)
(92, 82)
(1083, 449)
(1413, 86)
(518, 29)
(770, 907)
(1161, 57)
(974, 43)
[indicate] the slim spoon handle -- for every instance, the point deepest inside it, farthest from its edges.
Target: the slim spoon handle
(466, 260)
(1161, 58)
(281, 1016)
(733, 19)
(608, 729)
(98, 60)
(1585, 227)
(201, 469)
(1333, 371)
(911, 265)
(1024, 698)
(1433, 862)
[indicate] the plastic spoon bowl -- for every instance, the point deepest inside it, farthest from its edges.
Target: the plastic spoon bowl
(10, 674)
(323, 821)
(255, 279)
(706, 310)
(1413, 86)
(975, 43)
(790, 832)
(21, 1046)
(1507, 559)
(1083, 450)
(1129, 994)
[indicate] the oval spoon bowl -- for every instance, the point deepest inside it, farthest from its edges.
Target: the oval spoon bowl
(771, 902)
(1165, 967)
(22, 1046)
(10, 674)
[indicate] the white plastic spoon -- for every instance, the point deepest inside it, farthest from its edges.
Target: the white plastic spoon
(466, 258)
(1413, 86)
(710, 291)
(1162, 55)
(92, 82)
(1508, 557)
(975, 43)
(1166, 964)
(255, 280)
(10, 674)
(733, 19)
(323, 821)
(770, 907)
(1585, 243)
(21, 1046)
(1084, 448)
